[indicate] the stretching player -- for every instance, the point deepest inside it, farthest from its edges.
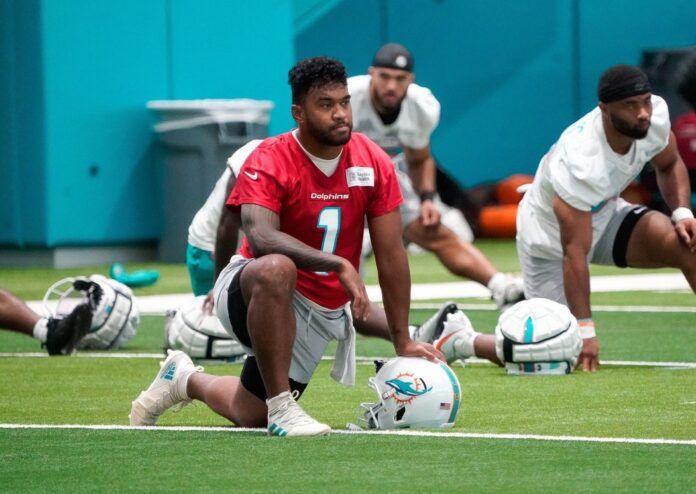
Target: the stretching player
(213, 238)
(400, 115)
(572, 215)
(58, 335)
(295, 287)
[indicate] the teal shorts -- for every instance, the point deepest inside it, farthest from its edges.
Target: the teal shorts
(201, 269)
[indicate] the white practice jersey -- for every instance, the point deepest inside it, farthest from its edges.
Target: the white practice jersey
(587, 174)
(419, 115)
(203, 229)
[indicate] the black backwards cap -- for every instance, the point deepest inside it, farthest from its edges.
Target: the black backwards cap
(393, 56)
(622, 81)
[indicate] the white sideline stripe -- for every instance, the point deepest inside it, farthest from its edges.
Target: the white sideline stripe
(595, 308)
(158, 304)
(460, 435)
(359, 360)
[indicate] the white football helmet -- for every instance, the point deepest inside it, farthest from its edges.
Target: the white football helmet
(538, 336)
(115, 314)
(199, 334)
(413, 393)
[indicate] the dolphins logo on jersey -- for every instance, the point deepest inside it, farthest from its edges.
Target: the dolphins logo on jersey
(406, 387)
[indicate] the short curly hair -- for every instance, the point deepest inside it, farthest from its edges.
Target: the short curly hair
(315, 72)
(686, 79)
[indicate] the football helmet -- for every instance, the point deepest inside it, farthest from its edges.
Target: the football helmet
(412, 392)
(538, 336)
(199, 334)
(115, 314)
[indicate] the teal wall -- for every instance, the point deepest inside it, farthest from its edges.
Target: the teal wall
(617, 32)
(77, 159)
(76, 152)
(23, 215)
(98, 76)
(510, 75)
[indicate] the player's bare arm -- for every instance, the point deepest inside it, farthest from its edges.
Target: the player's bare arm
(422, 171)
(227, 232)
(226, 238)
(673, 180)
(576, 240)
(262, 228)
(395, 281)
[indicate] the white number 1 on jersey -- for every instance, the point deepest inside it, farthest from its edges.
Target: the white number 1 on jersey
(330, 222)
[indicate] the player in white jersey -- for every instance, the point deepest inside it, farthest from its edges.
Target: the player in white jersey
(572, 215)
(200, 258)
(400, 116)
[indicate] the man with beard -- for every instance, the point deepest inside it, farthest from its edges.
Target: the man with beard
(400, 116)
(303, 197)
(572, 214)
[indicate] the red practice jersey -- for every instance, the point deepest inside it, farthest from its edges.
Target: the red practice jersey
(326, 213)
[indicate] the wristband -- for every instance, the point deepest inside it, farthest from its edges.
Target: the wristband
(427, 196)
(681, 214)
(587, 328)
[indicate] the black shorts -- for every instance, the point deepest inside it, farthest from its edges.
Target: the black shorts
(623, 235)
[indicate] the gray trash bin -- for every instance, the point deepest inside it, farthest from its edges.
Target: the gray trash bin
(198, 137)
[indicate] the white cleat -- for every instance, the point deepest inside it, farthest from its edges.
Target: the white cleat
(166, 391)
(507, 291)
(457, 338)
(431, 329)
(288, 419)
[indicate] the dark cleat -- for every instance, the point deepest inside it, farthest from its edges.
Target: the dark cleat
(64, 333)
(431, 329)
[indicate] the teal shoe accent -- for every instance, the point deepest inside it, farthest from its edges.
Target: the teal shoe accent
(134, 279)
(277, 431)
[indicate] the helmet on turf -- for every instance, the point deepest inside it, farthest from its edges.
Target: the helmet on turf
(199, 334)
(115, 314)
(538, 336)
(413, 393)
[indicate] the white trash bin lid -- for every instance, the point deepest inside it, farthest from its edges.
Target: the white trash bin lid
(181, 114)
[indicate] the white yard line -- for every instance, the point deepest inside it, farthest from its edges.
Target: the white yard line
(412, 433)
(595, 308)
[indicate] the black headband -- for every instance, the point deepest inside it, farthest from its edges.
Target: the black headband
(622, 81)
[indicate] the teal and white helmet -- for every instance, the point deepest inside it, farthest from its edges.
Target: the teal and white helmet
(115, 314)
(200, 334)
(538, 337)
(413, 393)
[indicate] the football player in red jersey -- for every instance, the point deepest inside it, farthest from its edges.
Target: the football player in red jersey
(303, 197)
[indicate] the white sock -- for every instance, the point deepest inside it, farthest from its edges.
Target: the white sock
(464, 346)
(497, 281)
(41, 329)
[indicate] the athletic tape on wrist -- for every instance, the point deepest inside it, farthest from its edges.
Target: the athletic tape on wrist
(681, 214)
(587, 328)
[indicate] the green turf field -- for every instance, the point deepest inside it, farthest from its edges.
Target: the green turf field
(631, 402)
